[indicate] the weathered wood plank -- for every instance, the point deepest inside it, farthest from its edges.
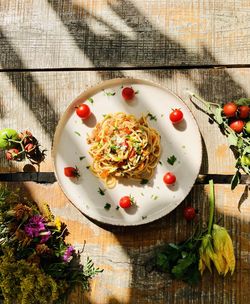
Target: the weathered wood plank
(124, 252)
(61, 33)
(37, 100)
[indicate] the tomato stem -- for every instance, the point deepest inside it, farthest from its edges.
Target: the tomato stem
(206, 103)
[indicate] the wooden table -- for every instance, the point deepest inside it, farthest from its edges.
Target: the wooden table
(50, 51)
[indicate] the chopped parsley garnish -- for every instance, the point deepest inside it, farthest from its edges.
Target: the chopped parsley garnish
(109, 93)
(144, 181)
(171, 160)
(107, 206)
(91, 100)
(116, 128)
(160, 162)
(101, 191)
(87, 167)
(152, 117)
(77, 133)
(162, 115)
(142, 194)
(82, 157)
(117, 208)
(137, 92)
(154, 197)
(143, 217)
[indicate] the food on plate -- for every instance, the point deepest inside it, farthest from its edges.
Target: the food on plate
(128, 93)
(126, 202)
(71, 172)
(83, 111)
(176, 116)
(169, 178)
(123, 146)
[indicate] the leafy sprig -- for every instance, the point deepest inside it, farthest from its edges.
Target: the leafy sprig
(239, 142)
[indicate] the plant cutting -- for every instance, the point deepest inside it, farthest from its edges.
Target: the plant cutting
(233, 119)
(209, 246)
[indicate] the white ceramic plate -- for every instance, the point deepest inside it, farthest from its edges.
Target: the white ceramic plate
(155, 199)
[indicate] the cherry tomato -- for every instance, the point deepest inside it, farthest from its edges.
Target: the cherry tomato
(189, 213)
(125, 202)
(11, 154)
(83, 111)
(243, 112)
(247, 127)
(169, 178)
(230, 109)
(237, 126)
(128, 93)
(71, 172)
(6, 135)
(176, 116)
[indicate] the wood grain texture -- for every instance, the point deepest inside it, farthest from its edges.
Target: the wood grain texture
(36, 101)
(118, 33)
(124, 252)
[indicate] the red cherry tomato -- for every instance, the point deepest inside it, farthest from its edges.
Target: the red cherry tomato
(237, 126)
(71, 172)
(128, 93)
(11, 154)
(189, 213)
(243, 112)
(230, 109)
(83, 111)
(125, 202)
(176, 116)
(169, 178)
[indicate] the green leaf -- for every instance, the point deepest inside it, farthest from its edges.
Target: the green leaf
(152, 117)
(110, 93)
(101, 191)
(246, 150)
(144, 181)
(217, 115)
(91, 100)
(107, 206)
(240, 143)
(243, 102)
(82, 157)
(77, 133)
(162, 262)
(171, 160)
(232, 139)
(235, 180)
(179, 270)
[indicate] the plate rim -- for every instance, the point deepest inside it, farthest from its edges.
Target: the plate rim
(88, 92)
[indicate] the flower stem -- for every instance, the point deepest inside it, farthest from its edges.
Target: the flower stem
(211, 206)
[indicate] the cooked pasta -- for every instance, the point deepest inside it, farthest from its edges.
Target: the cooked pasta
(123, 146)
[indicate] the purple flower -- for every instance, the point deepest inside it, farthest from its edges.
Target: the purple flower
(34, 226)
(68, 253)
(45, 235)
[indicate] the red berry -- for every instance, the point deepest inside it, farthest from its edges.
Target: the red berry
(83, 111)
(189, 213)
(169, 178)
(11, 154)
(71, 172)
(126, 202)
(237, 126)
(230, 109)
(128, 93)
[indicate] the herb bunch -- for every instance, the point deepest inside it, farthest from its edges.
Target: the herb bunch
(238, 135)
(187, 260)
(36, 264)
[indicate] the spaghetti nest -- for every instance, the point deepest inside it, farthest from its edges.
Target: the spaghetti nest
(124, 146)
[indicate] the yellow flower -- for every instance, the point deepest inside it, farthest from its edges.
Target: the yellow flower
(223, 248)
(58, 223)
(207, 253)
